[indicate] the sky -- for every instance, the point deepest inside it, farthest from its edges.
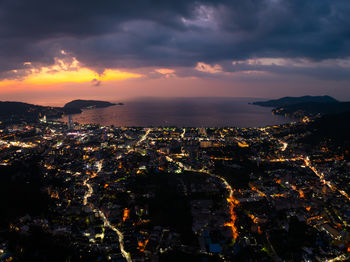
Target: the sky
(58, 50)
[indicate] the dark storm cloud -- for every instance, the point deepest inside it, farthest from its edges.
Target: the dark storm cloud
(112, 33)
(324, 71)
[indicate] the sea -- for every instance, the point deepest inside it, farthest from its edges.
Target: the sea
(182, 112)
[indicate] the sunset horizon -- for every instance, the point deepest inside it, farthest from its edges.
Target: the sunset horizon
(201, 48)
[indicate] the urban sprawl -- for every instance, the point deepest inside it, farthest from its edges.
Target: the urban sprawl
(171, 194)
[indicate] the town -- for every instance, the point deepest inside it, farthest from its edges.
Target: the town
(170, 193)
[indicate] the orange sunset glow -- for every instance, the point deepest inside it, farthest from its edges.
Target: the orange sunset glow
(65, 72)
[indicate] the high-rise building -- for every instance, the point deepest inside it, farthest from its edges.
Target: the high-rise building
(70, 122)
(202, 131)
(43, 119)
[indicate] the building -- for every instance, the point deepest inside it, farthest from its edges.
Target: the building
(70, 122)
(202, 131)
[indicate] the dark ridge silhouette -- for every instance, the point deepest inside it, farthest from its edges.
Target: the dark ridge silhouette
(335, 127)
(84, 104)
(17, 111)
(289, 101)
(306, 106)
(313, 108)
(13, 112)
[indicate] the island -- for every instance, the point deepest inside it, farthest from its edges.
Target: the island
(88, 104)
(299, 107)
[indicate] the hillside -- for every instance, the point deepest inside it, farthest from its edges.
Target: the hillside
(313, 108)
(289, 101)
(306, 106)
(17, 111)
(335, 128)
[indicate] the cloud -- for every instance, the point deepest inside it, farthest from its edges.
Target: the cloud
(164, 34)
(96, 82)
(166, 72)
(208, 68)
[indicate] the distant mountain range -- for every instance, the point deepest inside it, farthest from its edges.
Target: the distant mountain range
(306, 105)
(17, 111)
